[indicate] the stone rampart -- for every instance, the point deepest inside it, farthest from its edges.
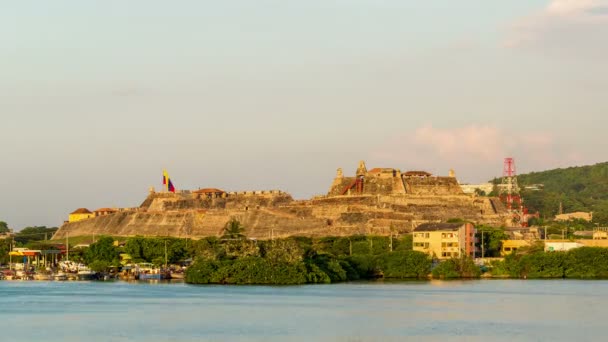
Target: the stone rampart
(281, 216)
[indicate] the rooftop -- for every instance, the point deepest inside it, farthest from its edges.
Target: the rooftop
(432, 227)
(106, 210)
(81, 211)
(207, 190)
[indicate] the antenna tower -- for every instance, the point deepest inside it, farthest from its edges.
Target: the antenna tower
(509, 190)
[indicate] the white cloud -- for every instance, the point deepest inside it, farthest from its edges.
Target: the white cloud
(578, 27)
(476, 152)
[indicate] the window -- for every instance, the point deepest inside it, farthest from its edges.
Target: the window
(507, 249)
(446, 254)
(426, 245)
(418, 244)
(444, 244)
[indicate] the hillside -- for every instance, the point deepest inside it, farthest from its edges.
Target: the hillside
(582, 188)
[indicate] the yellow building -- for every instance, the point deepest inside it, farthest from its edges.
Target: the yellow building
(445, 240)
(510, 246)
(600, 234)
(80, 214)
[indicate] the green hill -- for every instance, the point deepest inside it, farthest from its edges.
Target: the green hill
(582, 188)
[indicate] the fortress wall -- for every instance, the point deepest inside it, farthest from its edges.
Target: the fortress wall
(254, 201)
(432, 186)
(378, 185)
(339, 185)
(280, 215)
(128, 224)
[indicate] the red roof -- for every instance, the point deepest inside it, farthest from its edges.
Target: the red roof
(81, 211)
(105, 210)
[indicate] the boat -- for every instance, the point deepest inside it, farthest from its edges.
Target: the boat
(23, 275)
(43, 276)
(60, 276)
(177, 275)
(150, 276)
(147, 271)
(87, 275)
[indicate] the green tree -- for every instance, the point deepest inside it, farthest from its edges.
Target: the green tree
(4, 227)
(36, 233)
(233, 230)
(5, 247)
(463, 267)
(102, 250)
(490, 238)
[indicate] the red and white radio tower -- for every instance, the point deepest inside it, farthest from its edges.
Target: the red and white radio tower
(509, 190)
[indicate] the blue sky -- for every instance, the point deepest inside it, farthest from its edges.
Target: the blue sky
(97, 97)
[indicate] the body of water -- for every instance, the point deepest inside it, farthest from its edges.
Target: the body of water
(480, 310)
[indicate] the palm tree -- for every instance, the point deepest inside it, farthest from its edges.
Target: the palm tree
(233, 230)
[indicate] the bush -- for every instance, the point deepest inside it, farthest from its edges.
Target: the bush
(446, 269)
(406, 264)
(586, 263)
(201, 271)
(99, 266)
(463, 267)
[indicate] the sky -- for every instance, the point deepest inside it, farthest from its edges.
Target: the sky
(97, 97)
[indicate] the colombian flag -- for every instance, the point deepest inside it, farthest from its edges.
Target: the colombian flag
(167, 182)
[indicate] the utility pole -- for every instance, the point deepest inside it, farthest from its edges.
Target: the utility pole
(482, 246)
(165, 253)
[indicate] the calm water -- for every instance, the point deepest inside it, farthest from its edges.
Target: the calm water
(495, 310)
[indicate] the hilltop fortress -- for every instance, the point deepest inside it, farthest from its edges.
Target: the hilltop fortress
(380, 201)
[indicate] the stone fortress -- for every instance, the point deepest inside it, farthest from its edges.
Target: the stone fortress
(380, 201)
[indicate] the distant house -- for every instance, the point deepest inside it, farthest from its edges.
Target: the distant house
(419, 174)
(104, 211)
(579, 215)
(600, 234)
(561, 245)
(209, 193)
(445, 240)
(470, 188)
(80, 214)
(510, 246)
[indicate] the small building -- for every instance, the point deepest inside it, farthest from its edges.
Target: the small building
(600, 234)
(579, 215)
(561, 245)
(510, 246)
(445, 240)
(209, 193)
(417, 174)
(471, 188)
(80, 214)
(104, 211)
